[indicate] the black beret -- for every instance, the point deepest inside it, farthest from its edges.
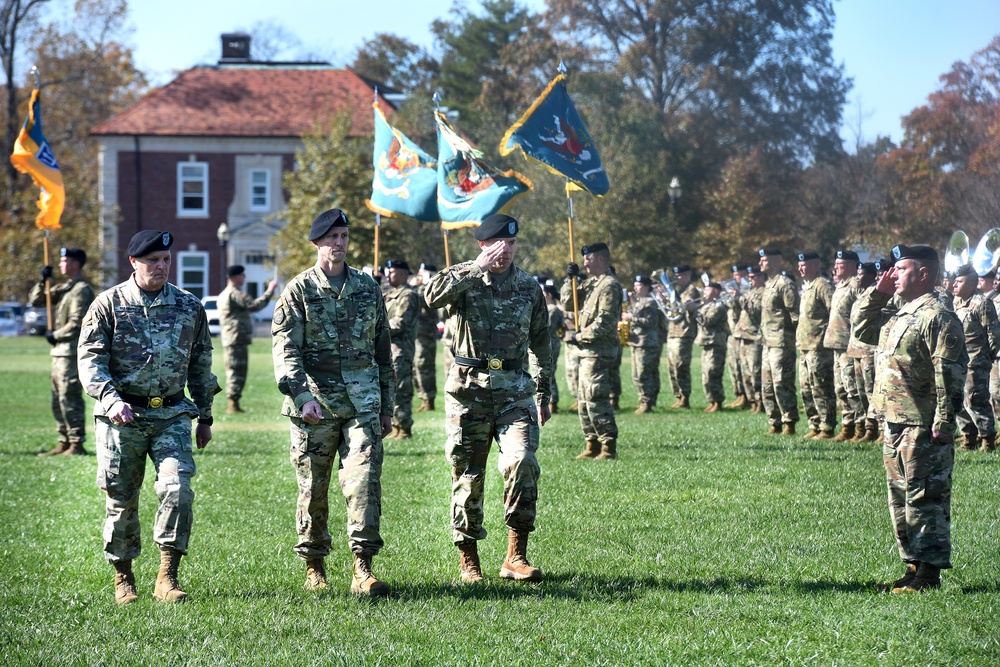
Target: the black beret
(992, 273)
(594, 247)
(806, 256)
(326, 221)
(883, 264)
(424, 266)
(397, 264)
(549, 288)
(497, 226)
(149, 241)
(682, 268)
(923, 253)
(74, 253)
(715, 286)
(769, 252)
(869, 267)
(753, 270)
(849, 255)
(235, 270)
(737, 268)
(965, 270)
(644, 280)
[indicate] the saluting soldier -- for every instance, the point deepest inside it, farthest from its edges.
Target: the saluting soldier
(747, 332)
(920, 367)
(499, 314)
(713, 332)
(141, 343)
(862, 356)
(838, 337)
(680, 338)
(425, 351)
(740, 392)
(815, 358)
(237, 330)
(778, 319)
(645, 323)
(403, 309)
(70, 301)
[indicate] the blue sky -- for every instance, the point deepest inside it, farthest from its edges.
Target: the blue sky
(895, 50)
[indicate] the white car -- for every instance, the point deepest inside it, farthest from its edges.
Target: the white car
(211, 304)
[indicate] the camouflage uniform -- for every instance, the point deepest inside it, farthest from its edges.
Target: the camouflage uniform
(982, 342)
(496, 318)
(994, 296)
(237, 333)
(713, 331)
(920, 367)
(425, 351)
(680, 344)
(332, 346)
(70, 301)
(862, 356)
(778, 316)
(572, 353)
(815, 358)
(403, 310)
(733, 353)
(838, 336)
(132, 346)
(747, 332)
(646, 345)
(557, 326)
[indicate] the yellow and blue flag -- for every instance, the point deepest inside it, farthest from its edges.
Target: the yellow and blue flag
(552, 132)
(32, 155)
(470, 189)
(405, 182)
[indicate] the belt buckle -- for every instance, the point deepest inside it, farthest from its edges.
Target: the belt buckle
(155, 402)
(495, 364)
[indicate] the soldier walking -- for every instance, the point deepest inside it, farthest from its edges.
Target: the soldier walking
(713, 332)
(815, 358)
(778, 318)
(403, 308)
(645, 324)
(425, 350)
(680, 338)
(237, 330)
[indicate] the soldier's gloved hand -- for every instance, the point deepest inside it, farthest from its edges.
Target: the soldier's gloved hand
(569, 337)
(46, 273)
(51, 337)
(572, 270)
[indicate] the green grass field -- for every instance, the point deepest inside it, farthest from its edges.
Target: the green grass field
(706, 543)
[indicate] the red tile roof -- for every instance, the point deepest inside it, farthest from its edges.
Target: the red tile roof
(250, 101)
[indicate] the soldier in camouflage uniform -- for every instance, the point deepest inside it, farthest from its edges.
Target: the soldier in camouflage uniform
(838, 336)
(333, 362)
(425, 351)
(815, 358)
(920, 367)
(572, 354)
(982, 342)
(740, 397)
(713, 332)
(557, 327)
(237, 330)
(403, 307)
(141, 342)
(990, 282)
(778, 318)
(70, 300)
(499, 314)
(747, 332)
(680, 338)
(596, 341)
(645, 320)
(862, 356)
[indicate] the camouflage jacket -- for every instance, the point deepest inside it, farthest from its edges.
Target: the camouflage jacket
(814, 313)
(713, 327)
(779, 311)
(70, 301)
(427, 321)
(497, 321)
(685, 327)
(645, 327)
(838, 334)
(403, 310)
(946, 298)
(920, 363)
(557, 327)
(749, 305)
(978, 316)
(600, 299)
(332, 347)
(234, 314)
(855, 348)
(132, 344)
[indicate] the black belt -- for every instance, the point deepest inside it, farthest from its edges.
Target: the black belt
(492, 363)
(152, 401)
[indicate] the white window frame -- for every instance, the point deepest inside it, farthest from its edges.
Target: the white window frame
(182, 256)
(266, 206)
(181, 180)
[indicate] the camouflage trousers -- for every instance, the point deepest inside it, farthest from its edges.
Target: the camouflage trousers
(713, 369)
(121, 468)
(646, 373)
(817, 387)
(735, 368)
(236, 369)
(597, 417)
(67, 401)
(616, 374)
(425, 367)
(918, 473)
(357, 440)
(553, 383)
(750, 365)
(975, 419)
(679, 351)
(995, 387)
(573, 371)
(845, 383)
(777, 385)
(402, 364)
(472, 424)
(864, 371)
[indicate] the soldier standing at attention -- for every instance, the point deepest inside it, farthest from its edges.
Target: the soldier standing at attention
(70, 301)
(920, 367)
(425, 350)
(557, 327)
(680, 338)
(644, 339)
(982, 343)
(596, 342)
(740, 392)
(747, 332)
(237, 330)
(713, 332)
(142, 341)
(838, 337)
(778, 317)
(988, 284)
(863, 358)
(500, 315)
(572, 354)
(333, 363)
(815, 359)
(403, 308)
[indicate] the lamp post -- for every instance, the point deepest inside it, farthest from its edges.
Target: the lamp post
(222, 233)
(674, 190)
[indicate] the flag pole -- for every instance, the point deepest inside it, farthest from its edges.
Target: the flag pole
(447, 251)
(48, 283)
(378, 225)
(572, 256)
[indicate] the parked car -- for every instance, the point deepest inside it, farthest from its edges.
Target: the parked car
(211, 304)
(36, 321)
(10, 323)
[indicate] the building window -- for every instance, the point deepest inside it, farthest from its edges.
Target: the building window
(192, 272)
(192, 189)
(260, 189)
(258, 258)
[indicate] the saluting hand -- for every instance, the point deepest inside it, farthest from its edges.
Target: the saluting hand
(490, 255)
(887, 283)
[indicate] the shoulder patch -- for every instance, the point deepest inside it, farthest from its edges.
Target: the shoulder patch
(951, 341)
(279, 316)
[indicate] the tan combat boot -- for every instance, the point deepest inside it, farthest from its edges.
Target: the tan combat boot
(643, 408)
(75, 449)
(574, 407)
(167, 589)
(614, 404)
(926, 577)
(846, 433)
(424, 406)
(364, 582)
(988, 444)
(553, 408)
(468, 555)
(395, 433)
(591, 450)
(713, 407)
(125, 592)
(404, 434)
(677, 403)
(683, 403)
(233, 406)
(516, 566)
(823, 435)
(968, 443)
(774, 430)
(789, 429)
(315, 575)
(608, 451)
(872, 431)
(860, 432)
(911, 572)
(58, 449)
(734, 403)
(811, 434)
(742, 402)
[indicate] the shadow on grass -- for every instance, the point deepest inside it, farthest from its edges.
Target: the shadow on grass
(578, 587)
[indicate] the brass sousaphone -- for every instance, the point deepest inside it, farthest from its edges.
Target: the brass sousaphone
(987, 254)
(957, 253)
